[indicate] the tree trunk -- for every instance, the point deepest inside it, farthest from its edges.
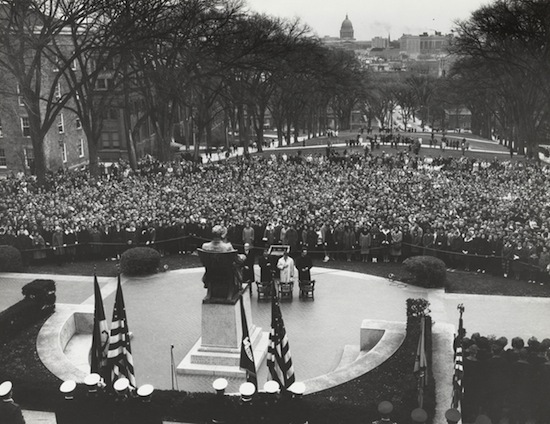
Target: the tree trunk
(260, 129)
(93, 154)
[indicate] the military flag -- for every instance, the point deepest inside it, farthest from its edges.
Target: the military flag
(247, 354)
(421, 362)
(100, 335)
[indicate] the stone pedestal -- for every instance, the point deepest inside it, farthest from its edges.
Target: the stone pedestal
(217, 353)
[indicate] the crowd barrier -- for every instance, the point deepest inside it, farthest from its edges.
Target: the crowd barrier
(188, 244)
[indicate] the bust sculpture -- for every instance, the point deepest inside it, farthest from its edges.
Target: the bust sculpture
(223, 268)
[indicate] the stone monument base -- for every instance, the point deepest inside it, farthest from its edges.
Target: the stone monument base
(217, 353)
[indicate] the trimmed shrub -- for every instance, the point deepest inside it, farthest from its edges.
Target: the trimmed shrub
(42, 291)
(39, 302)
(426, 271)
(10, 259)
(140, 261)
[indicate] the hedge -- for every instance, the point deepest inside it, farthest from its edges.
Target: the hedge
(39, 302)
(10, 259)
(426, 271)
(140, 261)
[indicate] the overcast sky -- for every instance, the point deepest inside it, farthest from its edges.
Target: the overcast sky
(372, 18)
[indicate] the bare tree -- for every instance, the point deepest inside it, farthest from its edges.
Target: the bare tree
(508, 42)
(28, 28)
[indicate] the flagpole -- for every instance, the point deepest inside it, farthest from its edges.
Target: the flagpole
(173, 369)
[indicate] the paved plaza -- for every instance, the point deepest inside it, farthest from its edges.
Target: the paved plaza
(165, 310)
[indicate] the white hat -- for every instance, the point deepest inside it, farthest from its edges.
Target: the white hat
(247, 390)
(5, 388)
(271, 387)
(298, 388)
(219, 384)
(145, 390)
(121, 384)
(92, 379)
(67, 386)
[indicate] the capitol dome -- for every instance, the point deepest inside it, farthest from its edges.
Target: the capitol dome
(346, 30)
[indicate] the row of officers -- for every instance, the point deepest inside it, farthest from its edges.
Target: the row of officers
(126, 405)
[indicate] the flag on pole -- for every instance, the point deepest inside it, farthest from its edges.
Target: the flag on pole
(120, 359)
(457, 379)
(459, 358)
(421, 362)
(100, 335)
(247, 355)
(279, 361)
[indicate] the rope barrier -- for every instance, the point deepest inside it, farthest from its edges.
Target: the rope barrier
(373, 250)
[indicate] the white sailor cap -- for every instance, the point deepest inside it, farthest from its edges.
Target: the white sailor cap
(5, 388)
(247, 390)
(298, 388)
(145, 390)
(220, 384)
(92, 379)
(121, 384)
(271, 387)
(67, 386)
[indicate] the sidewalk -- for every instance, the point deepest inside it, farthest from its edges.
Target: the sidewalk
(41, 417)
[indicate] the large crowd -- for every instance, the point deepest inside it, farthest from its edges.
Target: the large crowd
(480, 215)
(506, 383)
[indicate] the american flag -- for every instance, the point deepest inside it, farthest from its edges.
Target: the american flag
(279, 361)
(459, 369)
(100, 336)
(120, 359)
(457, 379)
(247, 354)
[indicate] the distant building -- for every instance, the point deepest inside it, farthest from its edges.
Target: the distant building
(458, 118)
(380, 43)
(424, 44)
(346, 41)
(346, 30)
(65, 144)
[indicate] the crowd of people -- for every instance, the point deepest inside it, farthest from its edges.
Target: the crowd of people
(506, 383)
(479, 215)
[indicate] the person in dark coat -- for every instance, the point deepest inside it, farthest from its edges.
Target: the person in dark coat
(83, 237)
(248, 265)
(471, 384)
(267, 266)
(498, 383)
(304, 265)
(142, 410)
(58, 245)
(95, 404)
(69, 410)
(522, 380)
(10, 412)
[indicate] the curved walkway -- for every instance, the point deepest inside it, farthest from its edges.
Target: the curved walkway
(165, 309)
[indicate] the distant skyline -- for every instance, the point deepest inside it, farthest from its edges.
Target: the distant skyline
(371, 18)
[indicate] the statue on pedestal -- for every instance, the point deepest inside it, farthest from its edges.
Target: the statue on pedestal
(223, 268)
